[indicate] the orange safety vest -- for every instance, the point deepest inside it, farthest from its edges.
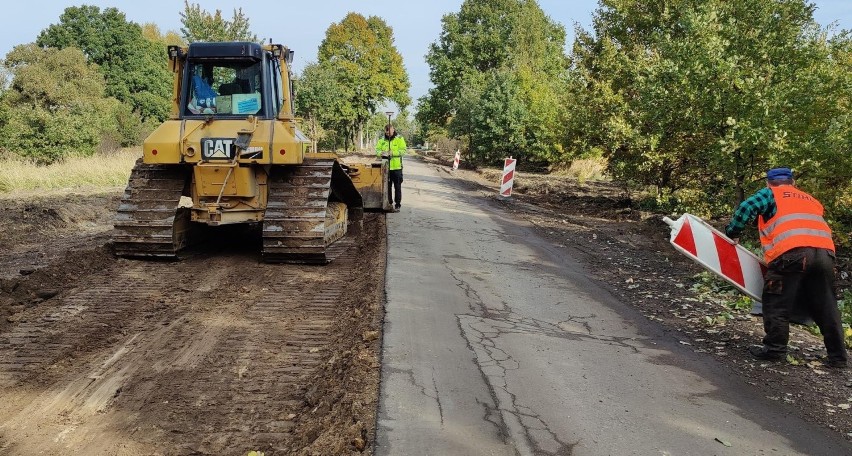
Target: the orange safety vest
(798, 222)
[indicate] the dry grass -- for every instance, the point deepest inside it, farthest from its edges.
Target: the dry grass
(585, 169)
(99, 172)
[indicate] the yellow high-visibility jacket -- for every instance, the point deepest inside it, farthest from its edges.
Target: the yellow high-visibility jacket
(395, 149)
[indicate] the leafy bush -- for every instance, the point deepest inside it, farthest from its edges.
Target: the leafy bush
(55, 106)
(845, 305)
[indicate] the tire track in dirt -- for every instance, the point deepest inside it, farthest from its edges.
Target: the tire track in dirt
(211, 355)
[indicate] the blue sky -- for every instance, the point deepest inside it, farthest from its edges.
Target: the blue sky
(302, 25)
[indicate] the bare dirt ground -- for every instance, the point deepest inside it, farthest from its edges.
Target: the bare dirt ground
(628, 251)
(216, 354)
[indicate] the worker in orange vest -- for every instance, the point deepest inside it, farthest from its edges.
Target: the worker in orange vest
(799, 252)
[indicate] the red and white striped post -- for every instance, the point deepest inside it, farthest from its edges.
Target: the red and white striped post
(456, 160)
(508, 177)
(717, 253)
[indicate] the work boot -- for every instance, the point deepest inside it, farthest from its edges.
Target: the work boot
(836, 363)
(765, 354)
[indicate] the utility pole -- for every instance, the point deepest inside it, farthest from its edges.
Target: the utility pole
(389, 113)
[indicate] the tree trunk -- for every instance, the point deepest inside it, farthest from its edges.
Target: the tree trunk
(345, 140)
(314, 142)
(739, 178)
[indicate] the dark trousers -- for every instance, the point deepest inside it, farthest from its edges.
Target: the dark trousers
(395, 187)
(802, 278)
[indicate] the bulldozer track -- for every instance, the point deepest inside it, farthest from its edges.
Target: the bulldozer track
(203, 359)
(299, 225)
(148, 222)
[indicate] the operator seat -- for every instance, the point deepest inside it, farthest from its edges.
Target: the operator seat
(230, 88)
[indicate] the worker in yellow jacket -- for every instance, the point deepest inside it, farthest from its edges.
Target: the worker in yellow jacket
(392, 147)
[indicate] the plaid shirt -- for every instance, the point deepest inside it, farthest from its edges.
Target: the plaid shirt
(761, 203)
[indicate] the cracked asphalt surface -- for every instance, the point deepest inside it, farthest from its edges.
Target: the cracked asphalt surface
(498, 341)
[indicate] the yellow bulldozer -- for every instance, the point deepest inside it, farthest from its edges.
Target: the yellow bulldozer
(232, 148)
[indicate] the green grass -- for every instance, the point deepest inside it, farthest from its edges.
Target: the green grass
(18, 175)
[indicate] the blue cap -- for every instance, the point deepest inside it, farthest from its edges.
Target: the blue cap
(779, 174)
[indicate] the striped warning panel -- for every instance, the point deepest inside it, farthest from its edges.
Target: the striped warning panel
(508, 177)
(717, 253)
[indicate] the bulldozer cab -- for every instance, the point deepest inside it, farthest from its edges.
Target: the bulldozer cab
(233, 80)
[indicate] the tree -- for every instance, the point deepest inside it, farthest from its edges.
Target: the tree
(497, 117)
(200, 25)
(369, 68)
(823, 164)
(512, 48)
(55, 106)
(135, 68)
(152, 33)
(700, 97)
(322, 103)
(402, 123)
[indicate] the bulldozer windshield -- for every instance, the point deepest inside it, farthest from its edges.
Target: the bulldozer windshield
(227, 88)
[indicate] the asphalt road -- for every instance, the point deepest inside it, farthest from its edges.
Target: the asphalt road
(497, 342)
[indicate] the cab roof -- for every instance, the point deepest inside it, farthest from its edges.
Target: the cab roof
(226, 50)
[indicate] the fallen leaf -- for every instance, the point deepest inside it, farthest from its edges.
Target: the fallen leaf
(727, 444)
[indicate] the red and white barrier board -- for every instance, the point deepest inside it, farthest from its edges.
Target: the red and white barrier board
(456, 160)
(708, 247)
(508, 177)
(718, 254)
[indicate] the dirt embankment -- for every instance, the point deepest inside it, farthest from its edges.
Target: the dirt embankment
(215, 354)
(50, 243)
(629, 252)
